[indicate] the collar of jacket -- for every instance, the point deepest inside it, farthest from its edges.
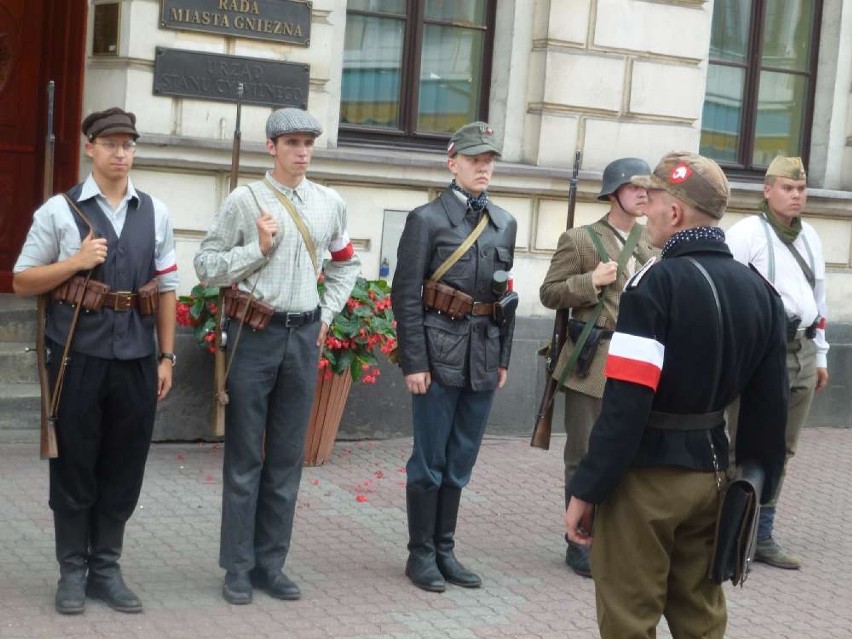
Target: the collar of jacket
(700, 246)
(456, 209)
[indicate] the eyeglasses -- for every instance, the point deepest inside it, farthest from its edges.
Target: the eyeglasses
(112, 147)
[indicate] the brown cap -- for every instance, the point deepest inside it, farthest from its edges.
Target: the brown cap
(113, 121)
(787, 168)
(473, 139)
(692, 178)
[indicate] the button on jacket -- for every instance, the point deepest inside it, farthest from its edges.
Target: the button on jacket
(463, 351)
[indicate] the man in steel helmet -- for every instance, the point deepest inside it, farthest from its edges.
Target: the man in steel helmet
(583, 272)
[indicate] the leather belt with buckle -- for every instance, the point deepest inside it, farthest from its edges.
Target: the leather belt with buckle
(292, 320)
(482, 308)
(120, 301)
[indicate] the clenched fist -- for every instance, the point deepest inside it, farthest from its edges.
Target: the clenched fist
(93, 251)
(604, 274)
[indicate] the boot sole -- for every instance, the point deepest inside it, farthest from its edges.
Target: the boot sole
(76, 610)
(464, 584)
(130, 610)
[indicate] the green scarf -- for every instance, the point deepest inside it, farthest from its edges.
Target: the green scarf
(786, 234)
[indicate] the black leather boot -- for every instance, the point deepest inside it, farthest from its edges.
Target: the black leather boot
(421, 567)
(72, 545)
(445, 530)
(105, 581)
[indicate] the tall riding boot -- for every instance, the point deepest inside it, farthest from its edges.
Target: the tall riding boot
(72, 545)
(105, 581)
(445, 530)
(421, 567)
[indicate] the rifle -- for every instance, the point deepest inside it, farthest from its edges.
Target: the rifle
(220, 394)
(48, 445)
(544, 418)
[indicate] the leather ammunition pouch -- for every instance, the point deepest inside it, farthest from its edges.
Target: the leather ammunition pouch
(149, 297)
(590, 348)
(443, 298)
(242, 306)
(76, 290)
(504, 309)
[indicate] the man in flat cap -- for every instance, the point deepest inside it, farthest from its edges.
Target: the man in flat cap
(268, 241)
(455, 319)
(788, 252)
(696, 328)
(587, 274)
(104, 254)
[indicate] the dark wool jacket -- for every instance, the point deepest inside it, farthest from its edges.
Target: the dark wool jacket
(671, 302)
(466, 351)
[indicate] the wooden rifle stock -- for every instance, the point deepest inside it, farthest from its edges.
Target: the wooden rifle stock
(48, 448)
(220, 394)
(544, 418)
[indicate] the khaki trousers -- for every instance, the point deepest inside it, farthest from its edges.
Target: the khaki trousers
(581, 412)
(652, 542)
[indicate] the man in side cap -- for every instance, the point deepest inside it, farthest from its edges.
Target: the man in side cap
(695, 329)
(585, 269)
(268, 240)
(788, 252)
(455, 319)
(115, 242)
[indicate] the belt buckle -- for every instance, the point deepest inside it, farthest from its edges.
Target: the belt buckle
(123, 301)
(289, 319)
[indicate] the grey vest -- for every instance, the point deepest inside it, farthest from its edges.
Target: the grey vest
(129, 265)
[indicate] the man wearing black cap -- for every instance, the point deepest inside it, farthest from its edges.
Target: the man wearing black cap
(455, 321)
(695, 330)
(585, 277)
(268, 240)
(115, 242)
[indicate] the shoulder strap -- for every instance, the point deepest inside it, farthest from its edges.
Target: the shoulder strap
(297, 220)
(770, 248)
(808, 272)
(719, 323)
(596, 240)
(76, 209)
(462, 249)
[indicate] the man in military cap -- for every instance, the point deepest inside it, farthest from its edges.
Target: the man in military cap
(695, 330)
(788, 252)
(455, 319)
(268, 240)
(115, 242)
(587, 275)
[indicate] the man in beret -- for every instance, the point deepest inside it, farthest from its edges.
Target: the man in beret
(454, 354)
(658, 451)
(256, 245)
(105, 230)
(788, 252)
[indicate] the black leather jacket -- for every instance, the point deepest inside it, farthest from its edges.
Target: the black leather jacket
(465, 351)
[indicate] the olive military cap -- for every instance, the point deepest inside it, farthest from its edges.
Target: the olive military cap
(113, 121)
(473, 139)
(787, 168)
(691, 178)
(291, 120)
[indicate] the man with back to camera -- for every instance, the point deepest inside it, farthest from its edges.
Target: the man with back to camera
(455, 321)
(788, 252)
(584, 268)
(696, 329)
(113, 377)
(255, 243)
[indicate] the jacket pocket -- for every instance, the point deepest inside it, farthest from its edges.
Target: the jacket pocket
(447, 343)
(442, 253)
(504, 258)
(492, 348)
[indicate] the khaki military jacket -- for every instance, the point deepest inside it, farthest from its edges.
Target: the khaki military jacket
(568, 285)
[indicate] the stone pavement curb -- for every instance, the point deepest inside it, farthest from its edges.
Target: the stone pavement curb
(349, 551)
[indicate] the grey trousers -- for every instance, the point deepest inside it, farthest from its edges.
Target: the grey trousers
(581, 412)
(271, 386)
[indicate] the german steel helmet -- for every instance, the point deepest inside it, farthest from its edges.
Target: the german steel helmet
(619, 172)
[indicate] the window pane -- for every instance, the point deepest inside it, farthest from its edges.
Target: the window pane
(780, 109)
(729, 37)
(721, 121)
(450, 69)
(469, 11)
(381, 6)
(372, 57)
(787, 34)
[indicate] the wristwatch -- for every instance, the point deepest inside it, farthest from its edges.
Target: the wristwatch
(169, 356)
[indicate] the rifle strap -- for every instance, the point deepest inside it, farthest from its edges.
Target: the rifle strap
(462, 248)
(76, 209)
(592, 319)
(298, 221)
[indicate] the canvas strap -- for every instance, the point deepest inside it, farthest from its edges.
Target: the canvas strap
(461, 250)
(298, 221)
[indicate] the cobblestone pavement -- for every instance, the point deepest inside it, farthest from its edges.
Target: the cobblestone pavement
(349, 552)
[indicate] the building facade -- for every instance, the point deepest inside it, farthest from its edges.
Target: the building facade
(390, 79)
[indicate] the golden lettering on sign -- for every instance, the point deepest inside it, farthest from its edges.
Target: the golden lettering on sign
(244, 19)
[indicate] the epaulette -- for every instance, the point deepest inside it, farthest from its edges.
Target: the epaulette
(633, 282)
(765, 279)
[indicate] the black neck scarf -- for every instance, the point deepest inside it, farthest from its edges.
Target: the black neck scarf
(475, 202)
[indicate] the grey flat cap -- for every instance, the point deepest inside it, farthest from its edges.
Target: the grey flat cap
(291, 120)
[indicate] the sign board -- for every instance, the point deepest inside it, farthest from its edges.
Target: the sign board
(287, 21)
(213, 76)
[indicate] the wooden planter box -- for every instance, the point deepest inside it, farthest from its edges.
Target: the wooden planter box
(329, 402)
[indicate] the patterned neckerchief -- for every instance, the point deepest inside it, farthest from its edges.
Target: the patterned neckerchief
(713, 233)
(475, 202)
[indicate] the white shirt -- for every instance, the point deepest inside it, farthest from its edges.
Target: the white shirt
(747, 240)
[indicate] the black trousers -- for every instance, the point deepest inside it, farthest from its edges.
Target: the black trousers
(106, 417)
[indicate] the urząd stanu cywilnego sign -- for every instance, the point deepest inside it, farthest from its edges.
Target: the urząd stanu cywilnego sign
(287, 21)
